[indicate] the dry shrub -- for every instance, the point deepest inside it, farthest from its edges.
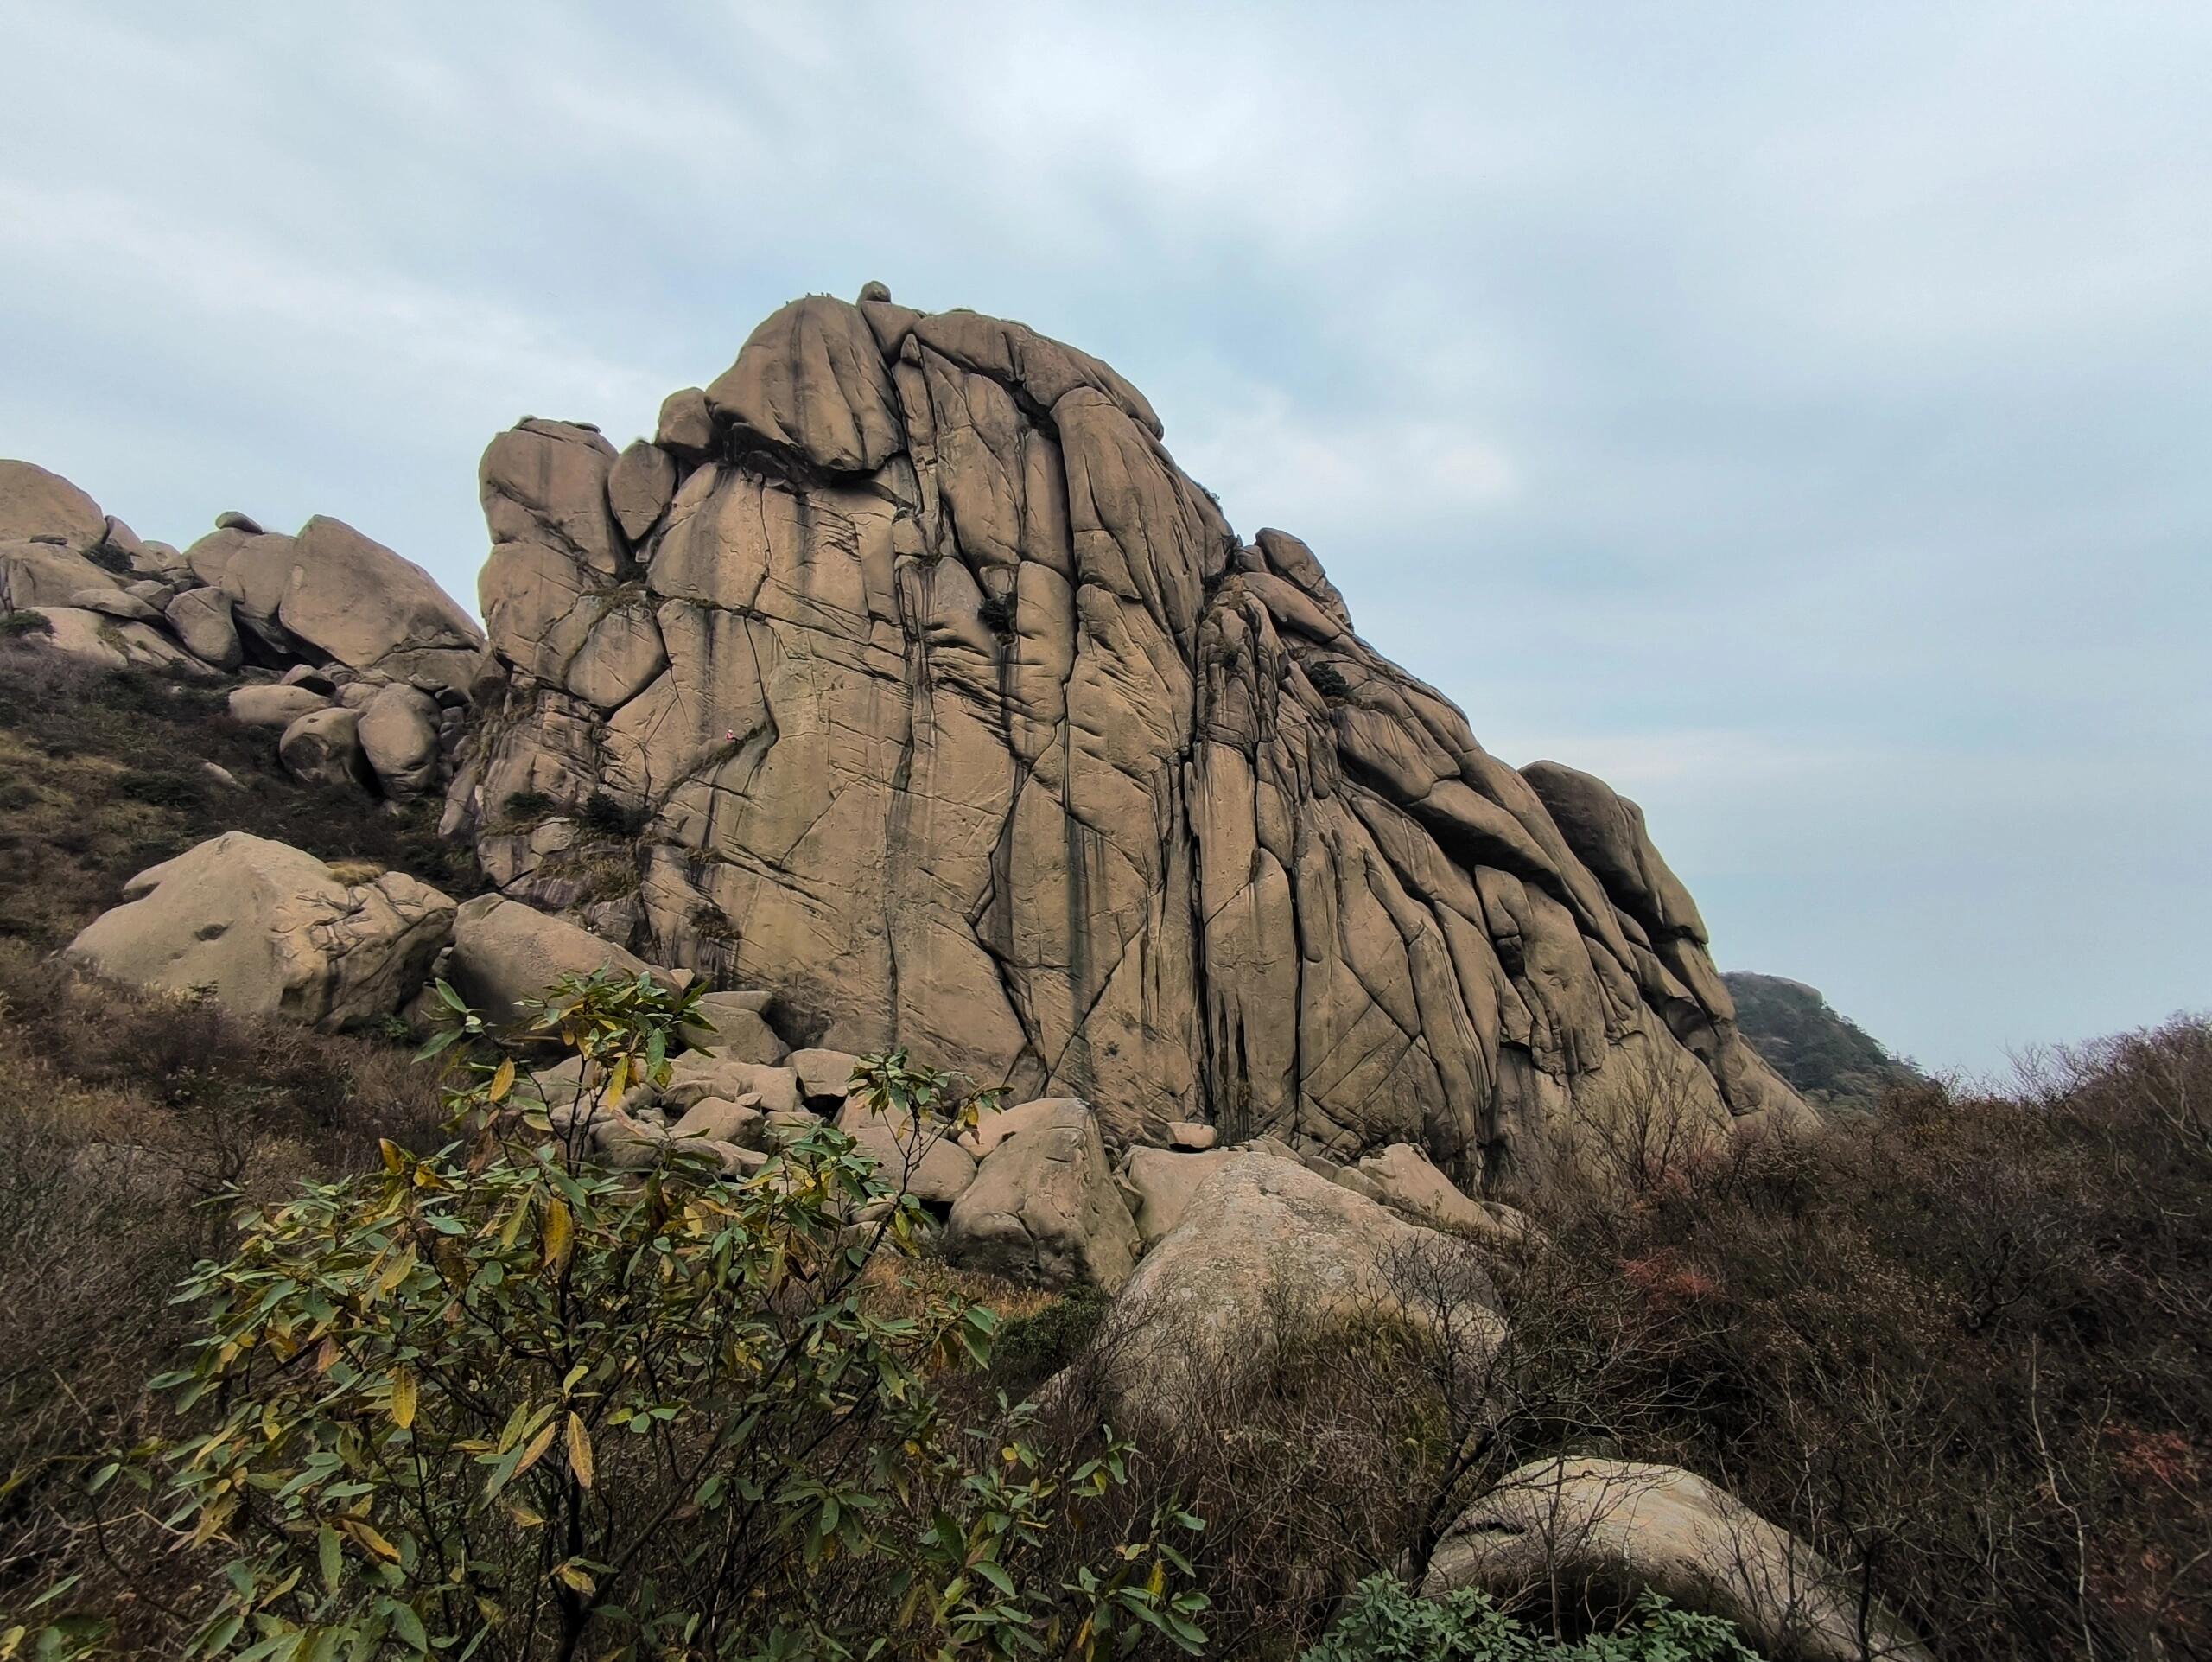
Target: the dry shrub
(122, 1114)
(102, 775)
(1300, 1450)
(1963, 1345)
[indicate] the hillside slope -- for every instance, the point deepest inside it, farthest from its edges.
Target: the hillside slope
(105, 771)
(1828, 1058)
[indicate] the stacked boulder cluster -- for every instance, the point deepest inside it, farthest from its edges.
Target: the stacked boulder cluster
(355, 655)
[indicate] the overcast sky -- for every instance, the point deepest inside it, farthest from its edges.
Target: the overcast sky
(1801, 415)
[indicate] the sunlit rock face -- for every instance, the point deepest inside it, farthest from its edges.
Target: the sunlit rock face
(953, 711)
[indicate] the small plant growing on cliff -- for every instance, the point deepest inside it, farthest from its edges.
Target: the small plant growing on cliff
(604, 817)
(528, 807)
(15, 625)
(998, 614)
(1328, 680)
(500, 1401)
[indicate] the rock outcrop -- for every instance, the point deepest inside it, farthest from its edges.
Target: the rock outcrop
(505, 953)
(1043, 1205)
(1584, 1535)
(1262, 1248)
(946, 706)
(271, 930)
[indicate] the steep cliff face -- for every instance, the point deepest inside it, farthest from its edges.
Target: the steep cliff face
(917, 683)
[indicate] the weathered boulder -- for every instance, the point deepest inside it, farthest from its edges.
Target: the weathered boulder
(739, 1123)
(1585, 1535)
(1403, 1179)
(256, 575)
(273, 931)
(399, 735)
(686, 426)
(1263, 1245)
(694, 1075)
(921, 1157)
(825, 1077)
(112, 641)
(324, 748)
(993, 1125)
(639, 486)
(813, 379)
(116, 603)
(270, 704)
(1160, 1183)
(46, 574)
(1044, 1207)
(36, 503)
(208, 559)
(505, 951)
(356, 602)
(735, 1029)
(961, 720)
(203, 622)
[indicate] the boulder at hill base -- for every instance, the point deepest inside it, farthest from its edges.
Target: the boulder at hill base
(923, 688)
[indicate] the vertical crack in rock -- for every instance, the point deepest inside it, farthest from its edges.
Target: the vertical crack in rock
(960, 718)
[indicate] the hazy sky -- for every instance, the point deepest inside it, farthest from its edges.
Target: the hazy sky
(1801, 414)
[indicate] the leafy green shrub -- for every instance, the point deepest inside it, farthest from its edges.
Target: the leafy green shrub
(1032, 1348)
(1386, 1621)
(503, 1401)
(16, 624)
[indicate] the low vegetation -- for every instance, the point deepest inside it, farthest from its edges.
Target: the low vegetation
(1829, 1059)
(495, 1400)
(105, 772)
(1383, 1622)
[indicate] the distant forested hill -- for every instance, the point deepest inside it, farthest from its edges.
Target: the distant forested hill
(1831, 1059)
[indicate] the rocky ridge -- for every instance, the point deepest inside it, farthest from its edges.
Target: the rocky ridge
(375, 660)
(915, 682)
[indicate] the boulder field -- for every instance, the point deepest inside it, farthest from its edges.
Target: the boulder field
(375, 660)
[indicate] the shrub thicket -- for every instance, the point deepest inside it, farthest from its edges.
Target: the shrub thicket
(502, 1401)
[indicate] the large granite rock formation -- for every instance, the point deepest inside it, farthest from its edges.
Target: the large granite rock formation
(922, 686)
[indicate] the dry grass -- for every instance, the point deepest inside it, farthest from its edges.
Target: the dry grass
(102, 775)
(123, 1116)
